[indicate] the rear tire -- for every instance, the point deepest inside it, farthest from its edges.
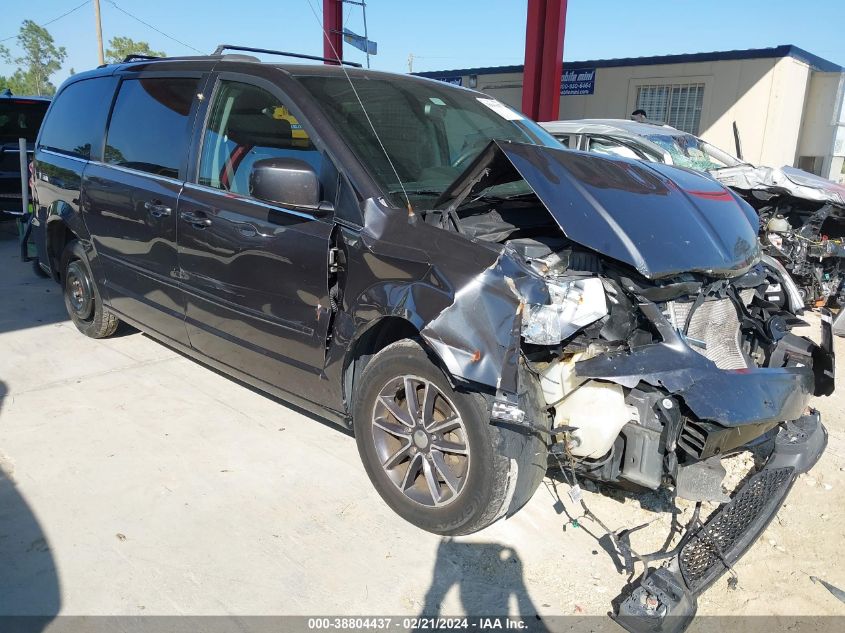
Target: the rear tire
(476, 472)
(82, 297)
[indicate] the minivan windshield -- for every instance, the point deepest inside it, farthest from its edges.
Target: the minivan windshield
(20, 118)
(690, 151)
(431, 131)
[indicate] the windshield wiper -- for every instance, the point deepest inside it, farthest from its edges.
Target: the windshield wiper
(502, 196)
(416, 192)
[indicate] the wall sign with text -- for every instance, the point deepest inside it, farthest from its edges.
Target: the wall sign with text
(578, 82)
(455, 81)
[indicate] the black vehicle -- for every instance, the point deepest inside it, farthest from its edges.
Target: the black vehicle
(425, 266)
(20, 117)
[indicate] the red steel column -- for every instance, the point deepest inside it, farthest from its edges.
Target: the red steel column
(534, 36)
(333, 29)
(544, 32)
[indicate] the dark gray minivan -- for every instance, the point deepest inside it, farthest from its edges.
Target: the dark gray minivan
(427, 267)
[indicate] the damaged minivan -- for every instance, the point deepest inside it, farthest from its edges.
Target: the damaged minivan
(426, 266)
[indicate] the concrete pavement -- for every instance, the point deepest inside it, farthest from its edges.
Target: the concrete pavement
(134, 480)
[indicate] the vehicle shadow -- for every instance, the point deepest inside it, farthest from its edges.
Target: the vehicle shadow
(487, 576)
(31, 301)
(29, 581)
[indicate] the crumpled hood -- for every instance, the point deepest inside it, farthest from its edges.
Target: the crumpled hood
(786, 180)
(662, 220)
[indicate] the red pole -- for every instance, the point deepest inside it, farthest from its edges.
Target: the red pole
(544, 32)
(333, 29)
(534, 36)
(552, 60)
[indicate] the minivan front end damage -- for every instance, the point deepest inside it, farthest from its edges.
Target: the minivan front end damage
(654, 360)
(665, 598)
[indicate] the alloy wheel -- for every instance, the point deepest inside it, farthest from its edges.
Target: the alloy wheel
(421, 441)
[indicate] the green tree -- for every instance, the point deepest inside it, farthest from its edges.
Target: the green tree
(40, 59)
(120, 47)
(18, 83)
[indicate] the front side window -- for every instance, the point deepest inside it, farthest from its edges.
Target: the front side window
(689, 151)
(78, 118)
(248, 124)
(426, 132)
(149, 125)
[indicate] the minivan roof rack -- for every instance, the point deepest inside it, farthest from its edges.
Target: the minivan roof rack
(219, 51)
(133, 56)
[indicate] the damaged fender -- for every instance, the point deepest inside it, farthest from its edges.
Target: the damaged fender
(478, 336)
(786, 180)
(471, 320)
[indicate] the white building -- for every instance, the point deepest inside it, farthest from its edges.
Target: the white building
(787, 104)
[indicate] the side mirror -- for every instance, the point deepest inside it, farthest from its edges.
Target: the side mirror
(285, 181)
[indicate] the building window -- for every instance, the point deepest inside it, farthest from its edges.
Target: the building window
(812, 164)
(678, 105)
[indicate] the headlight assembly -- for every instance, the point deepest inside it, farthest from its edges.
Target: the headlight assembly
(574, 304)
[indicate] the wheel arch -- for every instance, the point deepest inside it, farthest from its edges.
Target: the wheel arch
(57, 236)
(373, 338)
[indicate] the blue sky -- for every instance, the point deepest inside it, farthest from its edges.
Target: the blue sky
(445, 34)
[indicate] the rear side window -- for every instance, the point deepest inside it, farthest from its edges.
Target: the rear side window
(21, 118)
(149, 124)
(603, 145)
(76, 122)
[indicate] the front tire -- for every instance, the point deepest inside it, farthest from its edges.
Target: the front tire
(82, 297)
(431, 451)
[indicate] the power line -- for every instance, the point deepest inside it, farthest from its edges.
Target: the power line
(159, 31)
(48, 22)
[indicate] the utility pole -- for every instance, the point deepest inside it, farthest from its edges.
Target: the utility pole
(99, 32)
(410, 63)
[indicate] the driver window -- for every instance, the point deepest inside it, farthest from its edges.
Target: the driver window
(248, 124)
(609, 147)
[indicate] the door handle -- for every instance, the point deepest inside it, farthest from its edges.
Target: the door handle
(248, 230)
(199, 219)
(157, 210)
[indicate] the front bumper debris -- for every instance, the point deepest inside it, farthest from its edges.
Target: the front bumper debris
(728, 397)
(664, 600)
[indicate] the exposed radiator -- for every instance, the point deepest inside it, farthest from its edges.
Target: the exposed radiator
(715, 323)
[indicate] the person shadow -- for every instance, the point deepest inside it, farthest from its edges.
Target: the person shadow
(29, 582)
(488, 577)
